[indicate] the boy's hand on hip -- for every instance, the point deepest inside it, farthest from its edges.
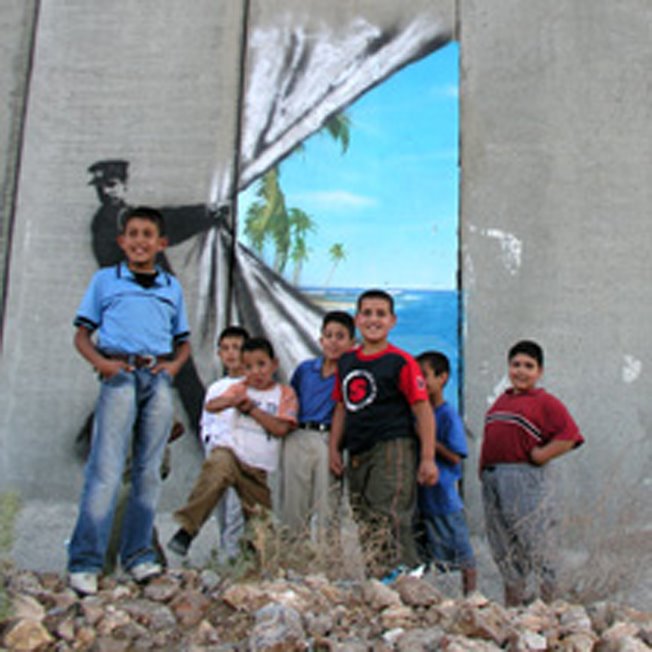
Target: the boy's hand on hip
(427, 474)
(166, 365)
(111, 367)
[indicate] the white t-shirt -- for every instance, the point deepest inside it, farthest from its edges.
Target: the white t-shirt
(250, 441)
(217, 427)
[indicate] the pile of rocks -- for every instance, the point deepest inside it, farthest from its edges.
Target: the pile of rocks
(199, 610)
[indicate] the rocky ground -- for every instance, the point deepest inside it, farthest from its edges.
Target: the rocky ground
(188, 609)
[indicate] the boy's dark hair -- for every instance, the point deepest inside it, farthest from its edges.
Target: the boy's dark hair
(259, 344)
(233, 331)
(375, 293)
(436, 360)
(146, 213)
(529, 348)
(339, 317)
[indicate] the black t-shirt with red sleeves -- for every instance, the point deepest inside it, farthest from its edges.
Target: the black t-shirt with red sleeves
(378, 391)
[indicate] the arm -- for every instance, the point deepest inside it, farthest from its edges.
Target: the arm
(273, 425)
(446, 454)
(427, 474)
(336, 438)
(541, 455)
(222, 402)
(104, 366)
(181, 355)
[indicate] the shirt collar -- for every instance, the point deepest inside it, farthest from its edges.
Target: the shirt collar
(123, 271)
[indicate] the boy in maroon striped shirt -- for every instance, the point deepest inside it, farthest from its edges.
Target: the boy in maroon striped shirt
(524, 429)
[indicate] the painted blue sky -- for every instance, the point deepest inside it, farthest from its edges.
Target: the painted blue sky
(391, 199)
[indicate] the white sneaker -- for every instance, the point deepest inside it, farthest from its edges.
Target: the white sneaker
(83, 583)
(145, 571)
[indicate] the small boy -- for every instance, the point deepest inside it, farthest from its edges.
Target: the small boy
(265, 412)
(441, 510)
(524, 429)
(306, 479)
(217, 430)
(139, 313)
(382, 407)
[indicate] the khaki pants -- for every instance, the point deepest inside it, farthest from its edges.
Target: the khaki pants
(221, 470)
(383, 492)
(307, 486)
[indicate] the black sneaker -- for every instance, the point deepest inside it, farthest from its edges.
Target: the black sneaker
(180, 542)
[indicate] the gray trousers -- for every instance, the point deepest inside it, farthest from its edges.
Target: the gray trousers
(518, 508)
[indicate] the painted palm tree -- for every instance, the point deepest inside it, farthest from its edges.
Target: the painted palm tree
(269, 220)
(300, 225)
(337, 254)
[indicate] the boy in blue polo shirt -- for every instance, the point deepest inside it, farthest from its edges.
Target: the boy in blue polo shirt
(306, 479)
(441, 510)
(142, 342)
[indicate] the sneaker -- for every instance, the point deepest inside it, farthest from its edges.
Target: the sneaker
(394, 574)
(180, 542)
(83, 583)
(145, 571)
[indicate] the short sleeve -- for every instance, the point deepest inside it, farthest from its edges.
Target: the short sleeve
(89, 313)
(411, 381)
(560, 424)
(288, 408)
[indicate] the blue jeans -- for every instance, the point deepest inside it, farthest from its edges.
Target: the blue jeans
(128, 399)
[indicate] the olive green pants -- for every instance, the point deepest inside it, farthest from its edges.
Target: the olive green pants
(383, 494)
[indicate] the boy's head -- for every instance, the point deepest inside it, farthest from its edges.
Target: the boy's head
(337, 334)
(142, 237)
(229, 349)
(375, 316)
(260, 364)
(436, 371)
(525, 365)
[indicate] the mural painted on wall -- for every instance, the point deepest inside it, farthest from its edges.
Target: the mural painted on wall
(359, 204)
(371, 201)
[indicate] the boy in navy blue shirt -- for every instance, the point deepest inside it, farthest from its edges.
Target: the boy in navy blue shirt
(142, 342)
(441, 510)
(306, 479)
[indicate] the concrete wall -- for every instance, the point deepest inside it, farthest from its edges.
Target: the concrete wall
(155, 83)
(17, 21)
(554, 202)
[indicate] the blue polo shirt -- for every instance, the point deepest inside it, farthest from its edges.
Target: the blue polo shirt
(133, 319)
(444, 497)
(313, 391)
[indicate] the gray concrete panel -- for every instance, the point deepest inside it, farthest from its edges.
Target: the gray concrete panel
(152, 82)
(17, 22)
(556, 162)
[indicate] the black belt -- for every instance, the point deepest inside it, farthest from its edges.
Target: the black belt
(314, 425)
(138, 361)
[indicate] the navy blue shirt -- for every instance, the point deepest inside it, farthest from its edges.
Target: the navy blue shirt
(314, 391)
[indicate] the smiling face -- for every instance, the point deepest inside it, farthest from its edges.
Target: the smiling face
(524, 372)
(335, 340)
(141, 241)
(374, 320)
(259, 368)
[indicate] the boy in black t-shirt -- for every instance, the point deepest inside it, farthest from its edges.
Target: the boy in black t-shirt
(382, 409)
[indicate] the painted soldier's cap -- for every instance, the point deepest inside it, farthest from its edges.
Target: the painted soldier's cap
(103, 171)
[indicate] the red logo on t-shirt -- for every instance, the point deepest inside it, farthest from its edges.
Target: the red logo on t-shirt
(359, 389)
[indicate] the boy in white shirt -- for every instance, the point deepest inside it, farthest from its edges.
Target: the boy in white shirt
(265, 411)
(217, 430)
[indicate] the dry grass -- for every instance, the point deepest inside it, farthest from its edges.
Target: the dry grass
(9, 508)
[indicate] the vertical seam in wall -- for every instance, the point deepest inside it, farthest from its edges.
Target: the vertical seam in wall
(235, 182)
(11, 218)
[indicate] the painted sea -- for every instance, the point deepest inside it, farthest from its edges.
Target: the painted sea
(426, 319)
